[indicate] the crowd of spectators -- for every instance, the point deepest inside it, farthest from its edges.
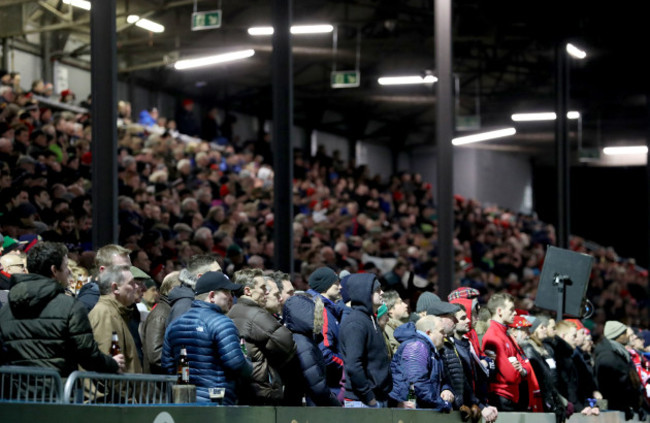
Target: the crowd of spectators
(183, 197)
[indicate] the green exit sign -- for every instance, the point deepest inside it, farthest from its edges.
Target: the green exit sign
(206, 20)
(345, 79)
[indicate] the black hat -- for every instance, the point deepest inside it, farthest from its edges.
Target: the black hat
(215, 281)
(322, 279)
(440, 308)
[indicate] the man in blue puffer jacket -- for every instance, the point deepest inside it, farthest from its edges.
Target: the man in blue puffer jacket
(365, 358)
(210, 338)
(417, 364)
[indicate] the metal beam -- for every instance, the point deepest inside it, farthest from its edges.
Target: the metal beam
(563, 162)
(282, 94)
(104, 130)
(444, 134)
(53, 10)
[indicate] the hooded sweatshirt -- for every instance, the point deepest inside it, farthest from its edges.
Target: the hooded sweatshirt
(367, 366)
(180, 300)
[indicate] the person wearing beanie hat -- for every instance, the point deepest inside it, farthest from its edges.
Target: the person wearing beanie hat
(617, 377)
(382, 319)
(324, 284)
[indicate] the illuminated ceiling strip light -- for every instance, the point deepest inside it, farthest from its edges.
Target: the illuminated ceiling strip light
(406, 80)
(484, 136)
(531, 117)
(575, 51)
(81, 4)
(619, 151)
(145, 23)
(213, 60)
(295, 29)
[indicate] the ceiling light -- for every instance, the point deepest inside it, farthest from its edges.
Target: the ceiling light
(295, 29)
(213, 60)
(484, 136)
(531, 117)
(619, 151)
(81, 4)
(406, 80)
(575, 51)
(145, 23)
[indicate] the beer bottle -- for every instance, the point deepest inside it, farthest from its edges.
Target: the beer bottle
(411, 395)
(242, 345)
(183, 372)
(115, 346)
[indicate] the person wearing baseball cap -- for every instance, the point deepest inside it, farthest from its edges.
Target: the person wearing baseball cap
(210, 339)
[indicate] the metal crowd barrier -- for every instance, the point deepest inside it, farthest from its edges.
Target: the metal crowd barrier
(30, 384)
(101, 388)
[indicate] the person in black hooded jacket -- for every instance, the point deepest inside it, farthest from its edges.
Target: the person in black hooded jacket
(304, 318)
(367, 366)
(42, 326)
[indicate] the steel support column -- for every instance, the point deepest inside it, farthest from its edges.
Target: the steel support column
(104, 116)
(562, 146)
(444, 135)
(282, 80)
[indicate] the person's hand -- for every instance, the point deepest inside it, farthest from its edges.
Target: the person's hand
(490, 414)
(595, 411)
(447, 395)
(119, 359)
(406, 404)
(372, 403)
(586, 411)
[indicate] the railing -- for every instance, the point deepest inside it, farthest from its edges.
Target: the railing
(30, 384)
(101, 388)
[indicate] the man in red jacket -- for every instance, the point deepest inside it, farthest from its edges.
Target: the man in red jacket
(504, 388)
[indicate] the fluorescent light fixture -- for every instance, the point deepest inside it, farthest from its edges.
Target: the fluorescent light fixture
(484, 136)
(81, 4)
(575, 51)
(295, 29)
(619, 151)
(213, 60)
(531, 117)
(406, 80)
(145, 23)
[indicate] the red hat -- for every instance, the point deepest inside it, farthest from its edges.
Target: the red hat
(66, 93)
(187, 102)
(87, 158)
(464, 292)
(520, 322)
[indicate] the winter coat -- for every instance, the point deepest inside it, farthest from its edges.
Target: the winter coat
(367, 367)
(213, 350)
(617, 377)
(567, 380)
(180, 300)
(588, 384)
(298, 317)
(507, 379)
(539, 357)
(389, 330)
(417, 362)
(329, 346)
(110, 316)
(476, 375)
(454, 371)
(270, 347)
(153, 336)
(43, 327)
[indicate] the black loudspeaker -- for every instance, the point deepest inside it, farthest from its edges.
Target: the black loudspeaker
(563, 282)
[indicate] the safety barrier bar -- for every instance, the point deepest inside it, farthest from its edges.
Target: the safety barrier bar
(100, 388)
(30, 384)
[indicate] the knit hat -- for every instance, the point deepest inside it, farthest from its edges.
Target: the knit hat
(578, 324)
(614, 329)
(322, 279)
(425, 300)
(534, 321)
(382, 310)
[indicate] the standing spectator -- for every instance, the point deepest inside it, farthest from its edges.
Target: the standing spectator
(530, 397)
(417, 365)
(44, 327)
(108, 255)
(367, 367)
(216, 359)
(153, 330)
(568, 381)
(504, 388)
(398, 314)
(284, 283)
(304, 318)
(181, 297)
(186, 120)
(118, 292)
(269, 344)
(617, 376)
(325, 285)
